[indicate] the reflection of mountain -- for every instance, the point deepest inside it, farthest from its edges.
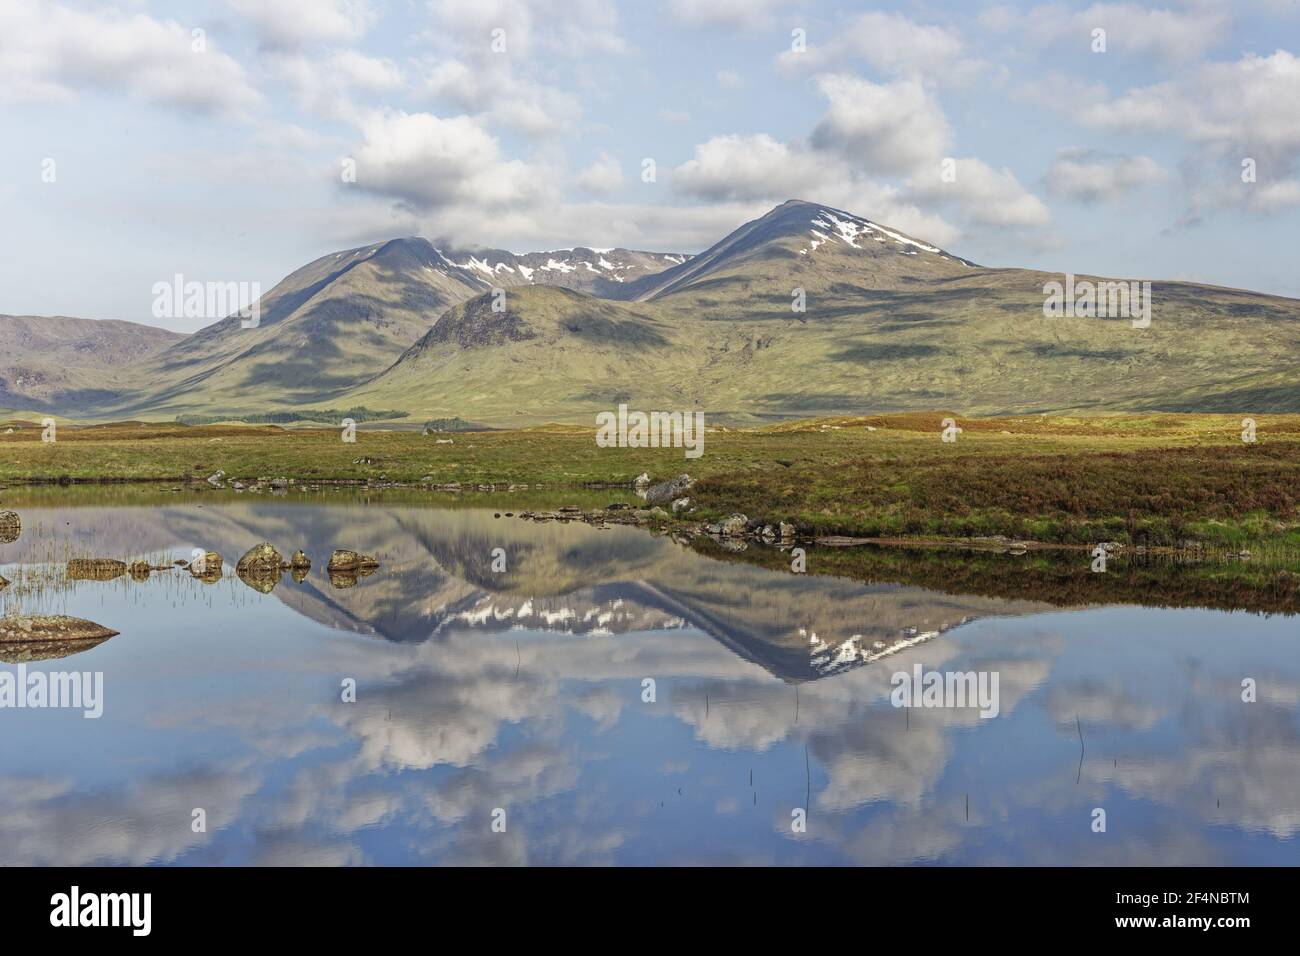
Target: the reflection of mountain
(437, 579)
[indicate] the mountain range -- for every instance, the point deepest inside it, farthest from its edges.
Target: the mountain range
(808, 310)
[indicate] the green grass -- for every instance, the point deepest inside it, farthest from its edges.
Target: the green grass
(1161, 480)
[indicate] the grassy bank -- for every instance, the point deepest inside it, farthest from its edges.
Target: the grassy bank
(1155, 479)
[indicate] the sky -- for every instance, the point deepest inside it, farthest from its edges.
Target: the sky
(236, 140)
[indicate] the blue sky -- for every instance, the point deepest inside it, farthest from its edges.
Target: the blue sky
(220, 156)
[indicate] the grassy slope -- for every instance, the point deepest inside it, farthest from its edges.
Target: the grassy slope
(1159, 479)
(975, 341)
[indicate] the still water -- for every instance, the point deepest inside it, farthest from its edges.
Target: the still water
(522, 697)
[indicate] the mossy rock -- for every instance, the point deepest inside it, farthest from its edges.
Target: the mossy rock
(260, 558)
(95, 569)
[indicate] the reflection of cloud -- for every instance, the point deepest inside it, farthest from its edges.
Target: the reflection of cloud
(51, 823)
(1094, 702)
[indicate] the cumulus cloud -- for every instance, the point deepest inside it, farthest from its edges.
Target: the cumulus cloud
(1232, 111)
(1089, 175)
(892, 44)
(430, 162)
(50, 53)
(748, 168)
(890, 128)
(375, 74)
(1174, 34)
(492, 87)
(985, 196)
(603, 176)
(738, 14)
(570, 28)
(294, 23)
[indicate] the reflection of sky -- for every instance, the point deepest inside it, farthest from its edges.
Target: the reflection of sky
(225, 699)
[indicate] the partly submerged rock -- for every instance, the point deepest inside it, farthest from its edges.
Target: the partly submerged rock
(260, 557)
(667, 491)
(734, 526)
(351, 561)
(298, 566)
(42, 637)
(11, 526)
(139, 570)
(4, 582)
(95, 569)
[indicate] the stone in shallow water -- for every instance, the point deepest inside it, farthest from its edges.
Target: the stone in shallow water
(351, 561)
(95, 569)
(11, 526)
(42, 637)
(259, 558)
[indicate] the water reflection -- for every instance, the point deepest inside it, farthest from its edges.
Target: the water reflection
(524, 690)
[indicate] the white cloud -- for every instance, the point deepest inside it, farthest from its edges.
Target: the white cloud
(432, 163)
(730, 79)
(568, 28)
(294, 23)
(985, 196)
(50, 53)
(740, 14)
(603, 176)
(889, 43)
(1231, 111)
(1130, 29)
(374, 74)
(748, 168)
(889, 128)
(1092, 176)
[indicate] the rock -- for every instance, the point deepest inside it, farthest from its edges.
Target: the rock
(300, 560)
(11, 526)
(618, 506)
(569, 509)
(4, 582)
(681, 504)
(279, 482)
(216, 479)
(768, 533)
(207, 567)
(95, 569)
(139, 570)
(786, 531)
(260, 557)
(641, 480)
(350, 561)
(665, 492)
(44, 637)
(734, 526)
